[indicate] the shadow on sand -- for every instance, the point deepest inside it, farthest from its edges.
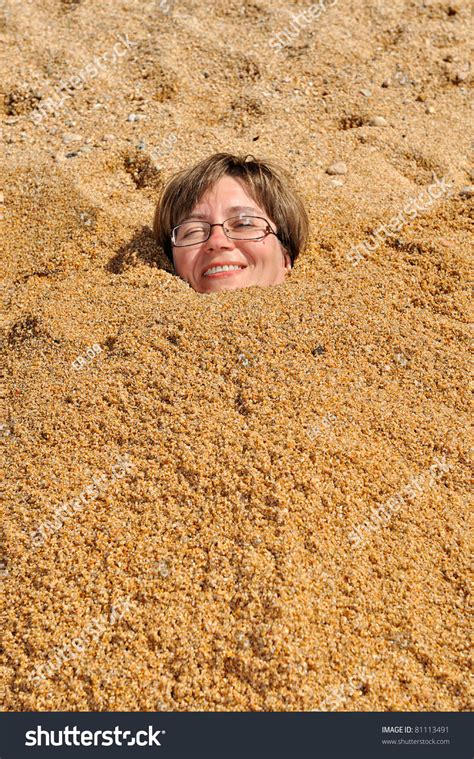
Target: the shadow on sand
(141, 248)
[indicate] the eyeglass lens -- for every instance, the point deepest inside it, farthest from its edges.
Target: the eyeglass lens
(237, 228)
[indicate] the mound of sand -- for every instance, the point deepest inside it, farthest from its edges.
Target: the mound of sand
(253, 500)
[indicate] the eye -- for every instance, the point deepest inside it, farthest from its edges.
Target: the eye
(187, 231)
(246, 221)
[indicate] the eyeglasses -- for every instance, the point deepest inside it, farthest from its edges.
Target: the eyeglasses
(235, 228)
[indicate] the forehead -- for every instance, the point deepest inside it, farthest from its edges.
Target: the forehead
(228, 196)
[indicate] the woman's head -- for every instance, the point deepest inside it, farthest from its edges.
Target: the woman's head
(267, 225)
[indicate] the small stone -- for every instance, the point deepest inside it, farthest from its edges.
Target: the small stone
(467, 191)
(430, 109)
(337, 182)
(337, 168)
(319, 350)
(401, 359)
(73, 154)
(68, 138)
(366, 93)
(385, 83)
(85, 218)
(402, 78)
(448, 58)
(132, 117)
(163, 568)
(460, 76)
(378, 121)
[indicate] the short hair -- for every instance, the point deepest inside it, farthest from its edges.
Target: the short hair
(267, 183)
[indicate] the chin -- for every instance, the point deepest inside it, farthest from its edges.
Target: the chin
(214, 287)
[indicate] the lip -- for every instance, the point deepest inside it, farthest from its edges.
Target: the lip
(220, 274)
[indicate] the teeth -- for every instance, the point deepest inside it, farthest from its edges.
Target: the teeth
(215, 269)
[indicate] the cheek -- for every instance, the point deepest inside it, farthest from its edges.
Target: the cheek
(268, 253)
(260, 252)
(181, 264)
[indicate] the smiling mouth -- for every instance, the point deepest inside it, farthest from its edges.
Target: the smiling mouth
(223, 271)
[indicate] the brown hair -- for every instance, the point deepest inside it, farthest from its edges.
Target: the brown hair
(268, 184)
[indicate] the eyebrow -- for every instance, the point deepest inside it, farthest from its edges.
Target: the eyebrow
(231, 210)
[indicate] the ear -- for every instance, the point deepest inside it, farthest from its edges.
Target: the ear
(287, 259)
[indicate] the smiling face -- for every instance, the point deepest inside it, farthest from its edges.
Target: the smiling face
(260, 262)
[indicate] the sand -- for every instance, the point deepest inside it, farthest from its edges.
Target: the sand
(287, 528)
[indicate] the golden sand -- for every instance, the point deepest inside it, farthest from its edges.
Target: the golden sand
(263, 426)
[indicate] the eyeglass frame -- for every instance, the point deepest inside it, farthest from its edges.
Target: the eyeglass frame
(267, 231)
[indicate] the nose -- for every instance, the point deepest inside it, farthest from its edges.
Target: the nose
(218, 240)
